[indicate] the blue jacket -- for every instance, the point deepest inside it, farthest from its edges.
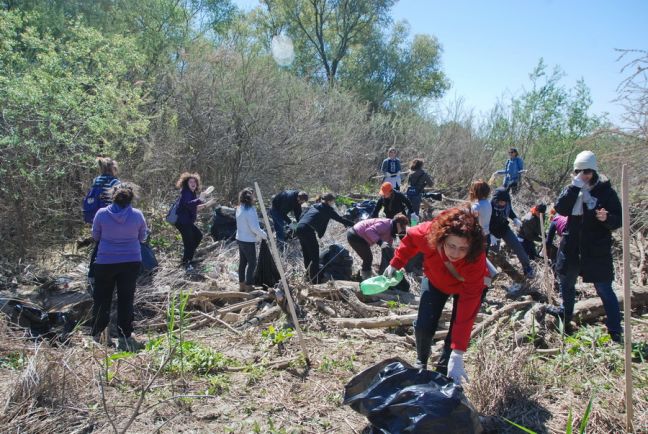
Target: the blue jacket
(187, 207)
(512, 170)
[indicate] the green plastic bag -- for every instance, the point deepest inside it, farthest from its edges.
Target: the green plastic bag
(378, 284)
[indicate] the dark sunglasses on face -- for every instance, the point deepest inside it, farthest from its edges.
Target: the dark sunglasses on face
(585, 171)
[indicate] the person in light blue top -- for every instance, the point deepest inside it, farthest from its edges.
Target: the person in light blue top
(512, 171)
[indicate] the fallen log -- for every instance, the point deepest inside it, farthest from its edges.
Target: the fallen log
(332, 291)
(378, 322)
(393, 320)
(592, 308)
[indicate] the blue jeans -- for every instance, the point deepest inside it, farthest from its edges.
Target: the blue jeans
(512, 241)
(415, 200)
(604, 290)
(279, 224)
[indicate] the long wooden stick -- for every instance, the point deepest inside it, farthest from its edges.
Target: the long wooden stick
(544, 242)
(284, 282)
(627, 298)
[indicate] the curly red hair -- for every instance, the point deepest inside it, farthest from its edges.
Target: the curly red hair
(462, 223)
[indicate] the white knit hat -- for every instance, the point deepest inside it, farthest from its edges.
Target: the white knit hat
(585, 160)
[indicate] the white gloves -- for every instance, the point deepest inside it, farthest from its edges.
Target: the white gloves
(389, 271)
(293, 226)
(517, 222)
(456, 369)
(577, 181)
(493, 241)
(263, 236)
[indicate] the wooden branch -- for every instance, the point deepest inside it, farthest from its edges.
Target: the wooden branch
(238, 306)
(220, 321)
(263, 316)
(497, 314)
(358, 306)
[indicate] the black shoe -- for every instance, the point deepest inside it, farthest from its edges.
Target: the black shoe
(617, 337)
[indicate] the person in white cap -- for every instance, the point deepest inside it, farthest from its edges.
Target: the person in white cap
(593, 211)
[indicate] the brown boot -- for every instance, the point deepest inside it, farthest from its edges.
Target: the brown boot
(244, 287)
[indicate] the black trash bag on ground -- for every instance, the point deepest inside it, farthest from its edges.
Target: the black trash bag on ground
(39, 322)
(336, 263)
(266, 273)
(149, 261)
(360, 210)
(397, 398)
(387, 255)
(223, 224)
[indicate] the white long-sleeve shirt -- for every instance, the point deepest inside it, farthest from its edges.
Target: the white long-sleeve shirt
(484, 210)
(247, 225)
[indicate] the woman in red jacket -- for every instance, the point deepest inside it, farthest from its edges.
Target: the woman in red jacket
(454, 263)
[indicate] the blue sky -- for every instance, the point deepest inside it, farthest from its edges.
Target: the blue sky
(490, 46)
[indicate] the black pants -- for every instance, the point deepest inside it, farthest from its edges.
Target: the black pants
(191, 237)
(107, 276)
(427, 321)
(93, 257)
(361, 247)
(310, 250)
(247, 261)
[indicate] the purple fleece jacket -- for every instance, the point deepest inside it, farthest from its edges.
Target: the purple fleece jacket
(119, 232)
(373, 230)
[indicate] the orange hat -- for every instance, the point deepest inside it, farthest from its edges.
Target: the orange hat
(386, 188)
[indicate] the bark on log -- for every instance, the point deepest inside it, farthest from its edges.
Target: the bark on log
(592, 308)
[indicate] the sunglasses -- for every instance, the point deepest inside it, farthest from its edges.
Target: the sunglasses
(585, 171)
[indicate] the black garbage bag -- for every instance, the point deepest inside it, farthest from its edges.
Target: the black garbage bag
(39, 322)
(336, 263)
(149, 261)
(223, 224)
(387, 254)
(266, 273)
(360, 210)
(397, 398)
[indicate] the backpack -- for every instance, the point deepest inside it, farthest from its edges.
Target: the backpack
(172, 215)
(97, 197)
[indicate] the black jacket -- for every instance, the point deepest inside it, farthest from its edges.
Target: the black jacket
(500, 216)
(420, 179)
(318, 216)
(285, 202)
(530, 229)
(397, 203)
(587, 242)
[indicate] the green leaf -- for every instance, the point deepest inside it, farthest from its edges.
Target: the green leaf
(526, 430)
(586, 416)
